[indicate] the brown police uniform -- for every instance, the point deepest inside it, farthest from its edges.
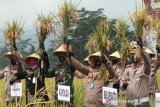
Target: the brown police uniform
(138, 86)
(152, 76)
(115, 82)
(93, 83)
(152, 80)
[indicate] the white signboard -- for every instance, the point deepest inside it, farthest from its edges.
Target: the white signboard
(157, 99)
(16, 89)
(109, 96)
(64, 93)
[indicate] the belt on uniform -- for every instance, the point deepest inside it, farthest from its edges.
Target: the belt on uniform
(140, 100)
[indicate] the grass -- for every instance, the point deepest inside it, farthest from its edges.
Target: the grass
(78, 93)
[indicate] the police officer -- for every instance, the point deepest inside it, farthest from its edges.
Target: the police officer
(9, 71)
(155, 63)
(35, 79)
(115, 59)
(95, 78)
(138, 73)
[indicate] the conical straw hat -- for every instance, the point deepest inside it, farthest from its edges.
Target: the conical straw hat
(86, 59)
(9, 55)
(115, 55)
(149, 51)
(33, 56)
(62, 49)
(97, 54)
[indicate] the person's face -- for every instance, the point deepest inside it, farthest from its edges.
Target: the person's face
(97, 62)
(13, 62)
(135, 58)
(62, 57)
(114, 61)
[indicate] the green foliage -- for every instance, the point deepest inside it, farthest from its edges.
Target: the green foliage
(25, 47)
(79, 32)
(3, 50)
(121, 29)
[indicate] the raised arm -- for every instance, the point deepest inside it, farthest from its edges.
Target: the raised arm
(79, 66)
(19, 60)
(125, 79)
(147, 62)
(109, 67)
(21, 75)
(18, 76)
(146, 58)
(3, 72)
(79, 75)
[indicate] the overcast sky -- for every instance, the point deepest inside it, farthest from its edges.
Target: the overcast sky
(27, 9)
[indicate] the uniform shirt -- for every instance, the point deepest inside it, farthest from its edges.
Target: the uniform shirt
(116, 79)
(152, 80)
(138, 77)
(35, 79)
(8, 73)
(93, 95)
(64, 75)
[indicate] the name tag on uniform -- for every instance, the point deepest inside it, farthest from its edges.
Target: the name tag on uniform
(137, 79)
(64, 93)
(16, 89)
(109, 96)
(34, 80)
